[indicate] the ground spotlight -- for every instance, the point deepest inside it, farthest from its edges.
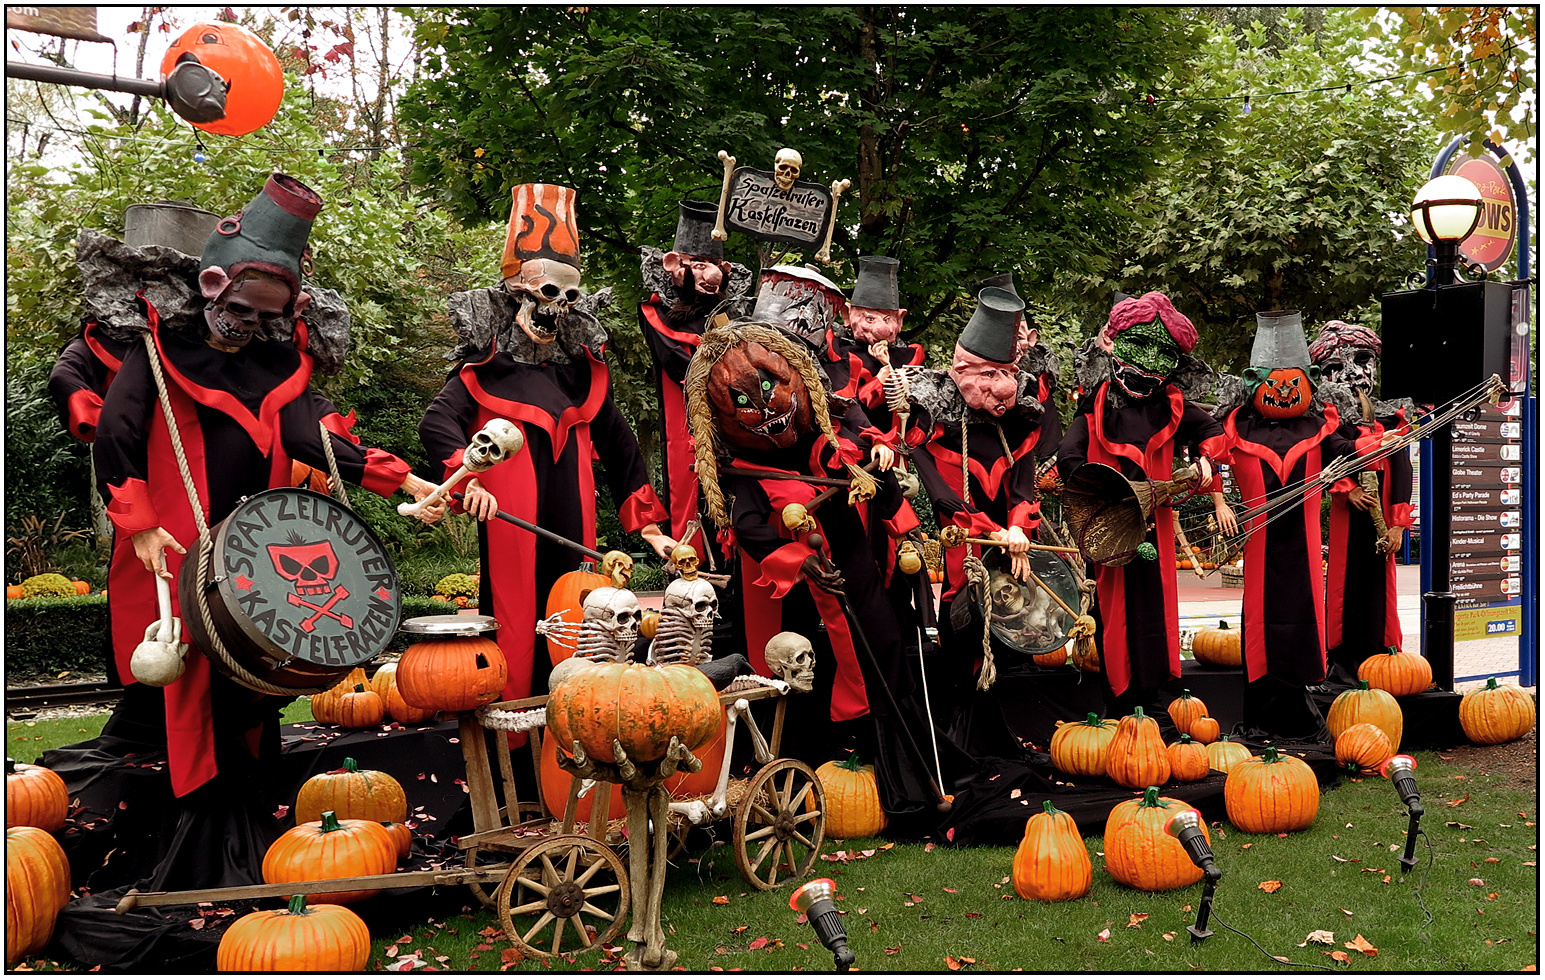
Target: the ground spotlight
(814, 898)
(1186, 827)
(1400, 770)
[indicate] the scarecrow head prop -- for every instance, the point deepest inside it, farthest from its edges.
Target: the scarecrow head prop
(874, 312)
(541, 258)
(1028, 335)
(1347, 354)
(802, 303)
(1145, 337)
(985, 367)
(251, 268)
(1280, 373)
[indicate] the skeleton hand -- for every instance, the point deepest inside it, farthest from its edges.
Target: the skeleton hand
(1361, 499)
(478, 502)
(421, 488)
(662, 543)
(817, 574)
(150, 548)
(558, 630)
(883, 457)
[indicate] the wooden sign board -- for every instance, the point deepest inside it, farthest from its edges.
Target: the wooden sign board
(759, 208)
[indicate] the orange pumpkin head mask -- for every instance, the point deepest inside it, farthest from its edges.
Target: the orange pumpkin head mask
(759, 401)
(1281, 393)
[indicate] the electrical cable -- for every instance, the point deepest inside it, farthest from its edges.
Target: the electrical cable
(1430, 857)
(1274, 959)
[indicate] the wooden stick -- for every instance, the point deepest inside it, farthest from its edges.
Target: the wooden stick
(994, 543)
(761, 474)
(1055, 597)
(397, 879)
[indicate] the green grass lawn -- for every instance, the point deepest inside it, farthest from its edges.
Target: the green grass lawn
(911, 907)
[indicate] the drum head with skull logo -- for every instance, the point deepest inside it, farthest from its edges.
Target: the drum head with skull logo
(1023, 617)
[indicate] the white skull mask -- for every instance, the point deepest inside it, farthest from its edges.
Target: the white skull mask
(614, 612)
(791, 657)
(786, 167)
(492, 444)
(694, 600)
(547, 290)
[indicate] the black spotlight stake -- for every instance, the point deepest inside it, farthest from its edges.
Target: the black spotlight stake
(1186, 828)
(814, 899)
(1400, 770)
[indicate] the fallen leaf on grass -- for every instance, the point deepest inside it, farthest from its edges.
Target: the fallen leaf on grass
(893, 950)
(1341, 859)
(758, 942)
(1456, 823)
(1269, 886)
(928, 847)
(1322, 936)
(1137, 919)
(953, 891)
(1169, 937)
(1347, 913)
(738, 930)
(1337, 955)
(721, 900)
(1363, 946)
(1458, 801)
(1104, 936)
(1493, 860)
(1477, 882)
(1244, 847)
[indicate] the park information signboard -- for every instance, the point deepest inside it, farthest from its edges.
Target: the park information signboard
(1486, 511)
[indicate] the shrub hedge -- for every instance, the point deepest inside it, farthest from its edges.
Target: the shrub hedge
(44, 636)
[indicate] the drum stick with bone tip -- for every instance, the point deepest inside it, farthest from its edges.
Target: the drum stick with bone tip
(795, 515)
(942, 803)
(955, 537)
(540, 531)
(494, 443)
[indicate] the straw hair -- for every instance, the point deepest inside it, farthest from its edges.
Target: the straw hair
(717, 342)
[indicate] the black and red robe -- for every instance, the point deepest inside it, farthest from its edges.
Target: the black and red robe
(1283, 631)
(1361, 615)
(1137, 609)
(81, 376)
(569, 420)
(243, 418)
(671, 348)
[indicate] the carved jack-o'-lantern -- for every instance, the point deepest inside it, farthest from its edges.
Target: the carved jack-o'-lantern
(1283, 393)
(250, 69)
(759, 401)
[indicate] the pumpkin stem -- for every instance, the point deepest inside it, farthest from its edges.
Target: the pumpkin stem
(1362, 685)
(1185, 694)
(1269, 754)
(359, 688)
(1046, 805)
(298, 905)
(852, 763)
(351, 765)
(1491, 685)
(1223, 738)
(1137, 713)
(1186, 739)
(1222, 624)
(330, 822)
(1094, 720)
(1392, 650)
(1151, 797)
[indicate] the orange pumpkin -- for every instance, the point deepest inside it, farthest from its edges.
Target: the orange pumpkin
(640, 706)
(352, 793)
(1137, 757)
(248, 66)
(1082, 748)
(360, 708)
(1184, 710)
(1362, 749)
(1399, 673)
(404, 713)
(454, 673)
(1054, 658)
(555, 788)
(82, 587)
(568, 597)
(852, 799)
(1271, 794)
(1206, 729)
(324, 705)
(401, 835)
(1224, 755)
(299, 939)
(37, 886)
(1218, 647)
(14, 592)
(1362, 703)
(1052, 864)
(331, 848)
(1188, 760)
(34, 797)
(1138, 851)
(1496, 713)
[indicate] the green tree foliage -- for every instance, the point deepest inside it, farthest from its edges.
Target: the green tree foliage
(1296, 204)
(978, 139)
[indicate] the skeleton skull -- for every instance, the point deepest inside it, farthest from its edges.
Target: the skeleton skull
(1004, 590)
(790, 656)
(693, 599)
(493, 443)
(786, 167)
(614, 612)
(547, 289)
(685, 558)
(618, 566)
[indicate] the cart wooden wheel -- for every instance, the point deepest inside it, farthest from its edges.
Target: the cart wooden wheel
(780, 824)
(482, 889)
(558, 888)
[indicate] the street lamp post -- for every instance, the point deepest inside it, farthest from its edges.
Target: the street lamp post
(1445, 212)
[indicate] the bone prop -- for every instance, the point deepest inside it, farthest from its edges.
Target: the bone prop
(838, 186)
(796, 516)
(541, 532)
(943, 803)
(510, 448)
(719, 233)
(955, 537)
(158, 660)
(310, 623)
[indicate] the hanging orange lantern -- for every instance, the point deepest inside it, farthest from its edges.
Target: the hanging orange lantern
(249, 68)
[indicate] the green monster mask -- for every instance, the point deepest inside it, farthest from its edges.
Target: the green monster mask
(1145, 355)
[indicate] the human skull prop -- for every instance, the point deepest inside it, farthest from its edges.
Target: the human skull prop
(493, 444)
(547, 290)
(617, 566)
(612, 618)
(786, 167)
(791, 657)
(684, 557)
(692, 599)
(1005, 593)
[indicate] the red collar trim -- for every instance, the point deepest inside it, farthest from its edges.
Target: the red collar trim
(1156, 445)
(94, 342)
(651, 311)
(557, 429)
(259, 427)
(991, 479)
(1281, 465)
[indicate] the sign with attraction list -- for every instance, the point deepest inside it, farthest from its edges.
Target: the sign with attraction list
(1486, 516)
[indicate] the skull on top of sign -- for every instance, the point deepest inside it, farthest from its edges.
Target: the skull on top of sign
(786, 167)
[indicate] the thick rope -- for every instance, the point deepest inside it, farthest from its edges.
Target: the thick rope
(335, 480)
(171, 426)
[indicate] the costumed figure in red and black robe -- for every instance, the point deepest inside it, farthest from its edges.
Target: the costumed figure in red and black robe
(532, 352)
(756, 402)
(81, 376)
(1281, 433)
(868, 340)
(1034, 354)
(976, 433)
(1367, 526)
(1138, 417)
(689, 286)
(236, 336)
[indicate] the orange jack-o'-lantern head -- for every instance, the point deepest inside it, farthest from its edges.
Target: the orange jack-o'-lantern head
(759, 401)
(1281, 393)
(256, 84)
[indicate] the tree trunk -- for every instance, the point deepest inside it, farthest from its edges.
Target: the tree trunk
(872, 222)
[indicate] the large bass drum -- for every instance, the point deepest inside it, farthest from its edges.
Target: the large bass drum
(1022, 616)
(293, 592)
